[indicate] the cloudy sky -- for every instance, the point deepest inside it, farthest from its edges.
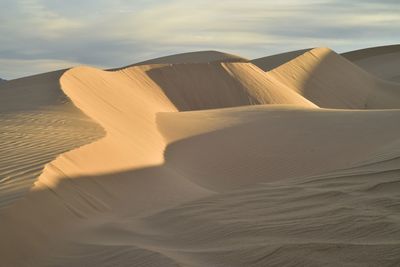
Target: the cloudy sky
(43, 35)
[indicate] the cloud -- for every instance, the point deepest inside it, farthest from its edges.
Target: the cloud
(109, 33)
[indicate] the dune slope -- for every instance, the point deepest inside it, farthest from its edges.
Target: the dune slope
(31, 104)
(330, 81)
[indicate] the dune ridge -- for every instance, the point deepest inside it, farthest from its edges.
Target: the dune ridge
(271, 62)
(364, 53)
(191, 57)
(221, 163)
(330, 81)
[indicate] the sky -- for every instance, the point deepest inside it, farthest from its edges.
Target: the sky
(43, 35)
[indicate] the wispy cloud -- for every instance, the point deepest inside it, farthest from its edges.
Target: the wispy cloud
(40, 35)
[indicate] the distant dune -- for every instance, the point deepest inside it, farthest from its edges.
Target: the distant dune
(192, 57)
(365, 53)
(203, 159)
(381, 61)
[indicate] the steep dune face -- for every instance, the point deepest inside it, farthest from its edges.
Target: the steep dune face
(330, 81)
(130, 109)
(218, 85)
(382, 62)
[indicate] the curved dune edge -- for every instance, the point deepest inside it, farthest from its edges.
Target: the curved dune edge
(131, 173)
(364, 53)
(191, 57)
(271, 62)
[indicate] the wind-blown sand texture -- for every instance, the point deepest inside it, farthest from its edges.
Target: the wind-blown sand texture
(38, 123)
(202, 159)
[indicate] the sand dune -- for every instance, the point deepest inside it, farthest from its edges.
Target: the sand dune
(381, 61)
(38, 122)
(365, 53)
(274, 61)
(205, 163)
(192, 57)
(330, 81)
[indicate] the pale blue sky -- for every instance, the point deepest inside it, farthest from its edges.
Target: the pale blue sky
(43, 35)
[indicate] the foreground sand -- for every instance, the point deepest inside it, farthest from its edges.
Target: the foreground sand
(209, 161)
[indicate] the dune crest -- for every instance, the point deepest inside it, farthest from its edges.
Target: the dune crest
(380, 61)
(191, 57)
(330, 81)
(274, 61)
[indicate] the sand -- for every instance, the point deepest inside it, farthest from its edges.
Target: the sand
(381, 61)
(271, 62)
(38, 122)
(191, 57)
(330, 81)
(202, 159)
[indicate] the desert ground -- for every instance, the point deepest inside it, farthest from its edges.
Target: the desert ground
(205, 159)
